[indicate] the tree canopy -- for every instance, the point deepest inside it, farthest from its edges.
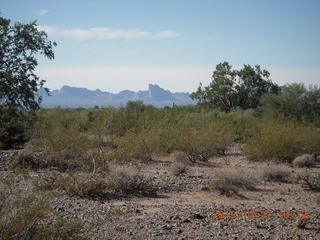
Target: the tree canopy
(20, 44)
(295, 100)
(235, 88)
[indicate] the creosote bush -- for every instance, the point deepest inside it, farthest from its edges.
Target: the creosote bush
(305, 160)
(27, 220)
(230, 181)
(139, 146)
(282, 140)
(204, 140)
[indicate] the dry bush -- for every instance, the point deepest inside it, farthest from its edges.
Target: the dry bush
(46, 182)
(31, 159)
(179, 168)
(295, 178)
(311, 181)
(228, 181)
(83, 185)
(182, 158)
(25, 158)
(276, 173)
(128, 181)
(305, 160)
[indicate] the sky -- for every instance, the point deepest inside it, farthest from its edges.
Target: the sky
(126, 44)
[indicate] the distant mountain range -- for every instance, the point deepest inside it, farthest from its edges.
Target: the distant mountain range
(73, 97)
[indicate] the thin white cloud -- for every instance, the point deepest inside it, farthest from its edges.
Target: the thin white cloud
(166, 34)
(43, 12)
(105, 33)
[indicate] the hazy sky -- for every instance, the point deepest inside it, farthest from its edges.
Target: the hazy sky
(126, 44)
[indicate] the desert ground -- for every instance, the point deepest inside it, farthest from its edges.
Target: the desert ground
(184, 207)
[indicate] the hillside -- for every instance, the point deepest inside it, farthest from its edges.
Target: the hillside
(81, 97)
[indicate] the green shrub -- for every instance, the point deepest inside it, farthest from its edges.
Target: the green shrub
(229, 181)
(242, 122)
(30, 210)
(281, 140)
(68, 146)
(115, 213)
(168, 138)
(295, 100)
(62, 229)
(276, 173)
(14, 126)
(305, 160)
(26, 219)
(140, 146)
(200, 142)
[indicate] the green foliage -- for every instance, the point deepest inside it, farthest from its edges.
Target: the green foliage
(19, 46)
(89, 138)
(26, 220)
(23, 224)
(295, 101)
(115, 213)
(65, 137)
(62, 229)
(235, 88)
(140, 146)
(202, 140)
(241, 122)
(281, 140)
(14, 124)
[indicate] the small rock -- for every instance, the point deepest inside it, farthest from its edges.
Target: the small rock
(197, 216)
(138, 211)
(166, 227)
(187, 220)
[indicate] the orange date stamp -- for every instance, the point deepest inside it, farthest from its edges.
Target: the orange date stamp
(261, 214)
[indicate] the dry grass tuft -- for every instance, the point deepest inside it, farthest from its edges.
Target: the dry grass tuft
(179, 168)
(128, 181)
(276, 173)
(305, 160)
(230, 181)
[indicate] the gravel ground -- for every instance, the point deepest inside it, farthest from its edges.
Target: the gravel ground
(183, 209)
